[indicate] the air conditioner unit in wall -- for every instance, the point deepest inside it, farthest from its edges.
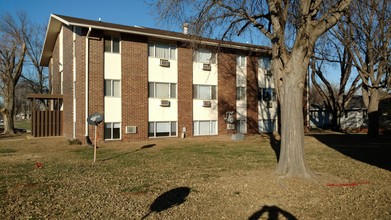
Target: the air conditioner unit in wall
(207, 104)
(206, 66)
(131, 129)
(164, 63)
(164, 103)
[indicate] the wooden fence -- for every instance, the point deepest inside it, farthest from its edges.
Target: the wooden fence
(46, 123)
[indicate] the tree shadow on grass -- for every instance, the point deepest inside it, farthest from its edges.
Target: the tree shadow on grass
(124, 154)
(375, 152)
(273, 213)
(275, 143)
(169, 199)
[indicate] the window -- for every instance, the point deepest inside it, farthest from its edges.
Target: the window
(241, 60)
(241, 126)
(112, 130)
(264, 63)
(162, 129)
(204, 92)
(162, 51)
(161, 90)
(112, 88)
(205, 127)
(240, 93)
(112, 44)
(267, 94)
(267, 125)
(204, 56)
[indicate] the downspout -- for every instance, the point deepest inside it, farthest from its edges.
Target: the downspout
(74, 81)
(86, 83)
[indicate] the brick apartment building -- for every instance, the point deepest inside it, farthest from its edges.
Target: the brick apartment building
(151, 83)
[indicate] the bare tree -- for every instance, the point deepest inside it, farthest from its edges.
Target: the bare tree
(37, 76)
(367, 34)
(293, 27)
(335, 97)
(12, 54)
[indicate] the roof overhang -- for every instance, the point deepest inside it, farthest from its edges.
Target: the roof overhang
(56, 22)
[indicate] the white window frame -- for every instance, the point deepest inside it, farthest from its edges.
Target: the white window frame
(212, 94)
(241, 93)
(264, 124)
(171, 132)
(112, 89)
(112, 44)
(241, 60)
(265, 63)
(198, 56)
(172, 50)
(241, 126)
(262, 96)
(170, 87)
(112, 130)
(213, 130)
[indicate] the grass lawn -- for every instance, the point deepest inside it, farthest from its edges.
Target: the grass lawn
(192, 178)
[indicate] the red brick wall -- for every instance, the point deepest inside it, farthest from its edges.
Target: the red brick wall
(80, 52)
(67, 82)
(55, 62)
(226, 89)
(185, 91)
(96, 80)
(134, 86)
(252, 95)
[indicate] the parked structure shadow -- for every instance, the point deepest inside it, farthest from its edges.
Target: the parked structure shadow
(360, 147)
(273, 213)
(169, 199)
(123, 154)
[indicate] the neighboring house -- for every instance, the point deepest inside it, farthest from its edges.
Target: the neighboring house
(151, 83)
(354, 117)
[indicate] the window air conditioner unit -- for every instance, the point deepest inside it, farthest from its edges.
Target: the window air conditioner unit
(207, 104)
(164, 103)
(131, 129)
(164, 63)
(206, 66)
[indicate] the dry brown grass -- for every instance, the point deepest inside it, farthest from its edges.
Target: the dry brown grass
(192, 178)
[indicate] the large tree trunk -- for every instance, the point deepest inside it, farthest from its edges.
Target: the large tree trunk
(373, 113)
(291, 161)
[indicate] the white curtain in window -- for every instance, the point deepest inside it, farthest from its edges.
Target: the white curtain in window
(116, 88)
(162, 51)
(204, 92)
(204, 127)
(162, 90)
(203, 56)
(162, 127)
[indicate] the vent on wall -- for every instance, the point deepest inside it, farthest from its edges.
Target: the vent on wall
(206, 66)
(207, 104)
(164, 103)
(164, 63)
(131, 129)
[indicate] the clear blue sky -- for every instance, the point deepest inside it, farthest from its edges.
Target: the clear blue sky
(127, 12)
